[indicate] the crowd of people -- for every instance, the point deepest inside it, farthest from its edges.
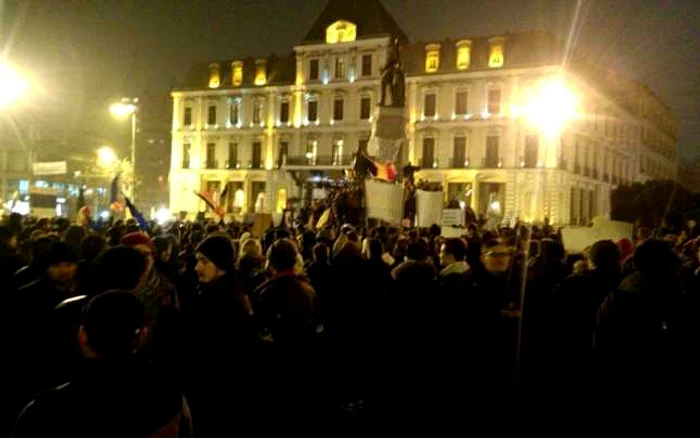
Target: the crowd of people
(192, 329)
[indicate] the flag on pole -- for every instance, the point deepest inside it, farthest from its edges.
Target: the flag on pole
(136, 214)
(114, 192)
(365, 165)
(206, 197)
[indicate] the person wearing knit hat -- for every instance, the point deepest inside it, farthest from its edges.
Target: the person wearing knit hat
(62, 263)
(215, 258)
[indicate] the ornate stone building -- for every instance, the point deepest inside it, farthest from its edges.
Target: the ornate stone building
(494, 118)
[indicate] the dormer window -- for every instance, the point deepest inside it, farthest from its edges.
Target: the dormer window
(214, 75)
(432, 58)
(237, 68)
(261, 72)
(496, 46)
(341, 32)
(464, 54)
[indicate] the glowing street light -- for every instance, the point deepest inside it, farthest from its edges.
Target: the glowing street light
(552, 106)
(106, 157)
(122, 110)
(12, 85)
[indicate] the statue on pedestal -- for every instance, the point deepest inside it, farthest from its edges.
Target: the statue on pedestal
(393, 80)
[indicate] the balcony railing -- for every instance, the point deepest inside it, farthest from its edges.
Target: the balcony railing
(459, 163)
(212, 164)
(319, 160)
(233, 165)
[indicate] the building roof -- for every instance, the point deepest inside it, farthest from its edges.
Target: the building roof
(281, 70)
(523, 49)
(370, 16)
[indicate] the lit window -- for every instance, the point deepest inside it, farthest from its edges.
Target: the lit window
(496, 46)
(281, 200)
(432, 58)
(260, 72)
(464, 54)
(341, 32)
(214, 76)
(237, 67)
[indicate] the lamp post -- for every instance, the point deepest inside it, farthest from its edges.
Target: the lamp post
(128, 107)
(12, 85)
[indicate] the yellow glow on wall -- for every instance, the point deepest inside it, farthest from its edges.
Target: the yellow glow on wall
(281, 200)
(464, 54)
(496, 52)
(214, 75)
(260, 72)
(432, 58)
(237, 67)
(341, 32)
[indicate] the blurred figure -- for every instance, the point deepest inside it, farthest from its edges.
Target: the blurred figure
(9, 262)
(647, 333)
(319, 272)
(37, 265)
(251, 265)
(74, 237)
(116, 394)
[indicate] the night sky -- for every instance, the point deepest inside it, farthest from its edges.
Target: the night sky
(83, 54)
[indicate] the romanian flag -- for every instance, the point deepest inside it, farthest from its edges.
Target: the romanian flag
(367, 166)
(114, 191)
(206, 197)
(324, 219)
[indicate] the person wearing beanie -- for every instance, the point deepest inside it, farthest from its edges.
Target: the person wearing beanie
(32, 308)
(221, 336)
(117, 393)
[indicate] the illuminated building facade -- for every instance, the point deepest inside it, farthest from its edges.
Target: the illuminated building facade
(492, 118)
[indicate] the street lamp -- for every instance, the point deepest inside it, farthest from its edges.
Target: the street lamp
(12, 85)
(552, 106)
(121, 110)
(106, 157)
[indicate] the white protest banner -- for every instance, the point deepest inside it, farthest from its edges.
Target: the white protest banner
(428, 208)
(452, 221)
(576, 239)
(384, 201)
(50, 168)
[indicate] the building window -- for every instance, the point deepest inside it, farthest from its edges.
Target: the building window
(187, 119)
(284, 111)
(257, 155)
(459, 152)
(531, 151)
(367, 65)
(464, 54)
(312, 111)
(461, 103)
(211, 155)
(260, 72)
(430, 105)
(234, 112)
(186, 149)
(428, 152)
(340, 68)
(365, 108)
(233, 156)
(314, 70)
(341, 32)
(337, 152)
(311, 151)
(257, 112)
(496, 52)
(214, 75)
(494, 101)
(211, 115)
(237, 79)
(283, 154)
(432, 58)
(492, 154)
(338, 107)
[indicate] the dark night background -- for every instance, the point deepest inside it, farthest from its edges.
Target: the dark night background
(84, 54)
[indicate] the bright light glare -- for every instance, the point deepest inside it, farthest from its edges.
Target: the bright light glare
(551, 106)
(163, 215)
(106, 157)
(122, 110)
(104, 215)
(12, 85)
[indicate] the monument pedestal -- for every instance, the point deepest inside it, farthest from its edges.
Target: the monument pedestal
(388, 133)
